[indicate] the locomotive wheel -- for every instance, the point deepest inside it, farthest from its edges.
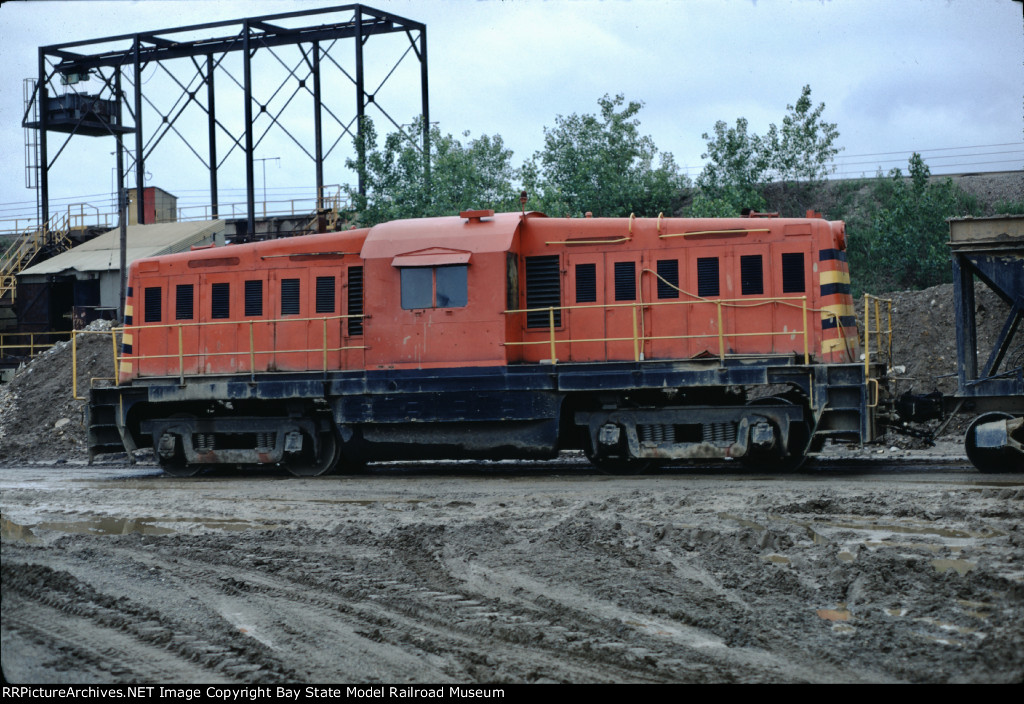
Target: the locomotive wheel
(986, 459)
(177, 466)
(308, 465)
(796, 450)
(621, 466)
(180, 469)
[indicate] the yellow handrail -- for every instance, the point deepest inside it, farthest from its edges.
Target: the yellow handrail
(181, 355)
(640, 339)
(878, 331)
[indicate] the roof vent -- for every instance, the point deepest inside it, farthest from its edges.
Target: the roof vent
(476, 215)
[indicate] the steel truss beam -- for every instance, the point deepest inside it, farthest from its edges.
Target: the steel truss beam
(249, 35)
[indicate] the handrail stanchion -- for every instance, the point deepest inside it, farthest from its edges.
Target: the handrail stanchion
(807, 344)
(867, 338)
(551, 327)
(74, 365)
(325, 344)
(721, 337)
(636, 348)
(252, 355)
(117, 365)
(181, 357)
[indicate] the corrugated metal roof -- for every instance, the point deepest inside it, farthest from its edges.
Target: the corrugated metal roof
(102, 253)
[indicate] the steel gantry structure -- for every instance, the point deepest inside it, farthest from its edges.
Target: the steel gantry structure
(121, 59)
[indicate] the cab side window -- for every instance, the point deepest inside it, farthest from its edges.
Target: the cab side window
(435, 287)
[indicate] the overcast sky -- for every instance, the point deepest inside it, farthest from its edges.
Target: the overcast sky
(942, 77)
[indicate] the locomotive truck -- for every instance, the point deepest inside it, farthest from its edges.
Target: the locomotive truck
(639, 341)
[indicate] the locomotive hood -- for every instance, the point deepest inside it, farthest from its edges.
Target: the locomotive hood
(438, 241)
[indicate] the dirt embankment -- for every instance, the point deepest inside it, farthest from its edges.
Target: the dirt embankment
(40, 418)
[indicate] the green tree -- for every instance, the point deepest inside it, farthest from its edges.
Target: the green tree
(803, 149)
(475, 175)
(741, 164)
(602, 164)
(733, 177)
(901, 244)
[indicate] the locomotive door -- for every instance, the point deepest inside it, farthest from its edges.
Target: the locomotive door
(151, 313)
(288, 289)
(752, 318)
(324, 334)
(665, 289)
(586, 320)
(624, 324)
(185, 297)
(219, 340)
(790, 279)
(705, 269)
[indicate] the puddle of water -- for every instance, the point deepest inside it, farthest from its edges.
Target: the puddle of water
(778, 559)
(847, 556)
(107, 525)
(838, 614)
(961, 566)
(951, 627)
(974, 604)
(13, 531)
(896, 612)
(742, 521)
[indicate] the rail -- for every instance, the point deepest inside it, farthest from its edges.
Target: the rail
(26, 244)
(175, 331)
(330, 201)
(639, 338)
(28, 344)
(883, 336)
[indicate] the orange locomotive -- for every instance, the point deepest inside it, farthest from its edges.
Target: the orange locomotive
(484, 335)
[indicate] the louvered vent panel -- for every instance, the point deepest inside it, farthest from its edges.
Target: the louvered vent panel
(751, 275)
(289, 296)
(183, 300)
(220, 300)
(543, 289)
(707, 277)
(355, 300)
(793, 272)
(586, 283)
(625, 281)
(668, 278)
(254, 297)
(325, 294)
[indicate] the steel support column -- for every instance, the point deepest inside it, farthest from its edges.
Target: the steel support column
(212, 122)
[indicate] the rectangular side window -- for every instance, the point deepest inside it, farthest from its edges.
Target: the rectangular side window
(290, 297)
(153, 299)
(707, 277)
(543, 290)
(254, 297)
(751, 275)
(355, 300)
(325, 294)
(183, 302)
(586, 283)
(220, 301)
(793, 272)
(452, 286)
(668, 278)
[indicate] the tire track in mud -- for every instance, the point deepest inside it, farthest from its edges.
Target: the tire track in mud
(116, 635)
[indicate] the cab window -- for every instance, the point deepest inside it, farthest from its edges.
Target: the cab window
(435, 287)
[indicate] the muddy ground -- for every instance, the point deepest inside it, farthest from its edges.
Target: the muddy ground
(513, 573)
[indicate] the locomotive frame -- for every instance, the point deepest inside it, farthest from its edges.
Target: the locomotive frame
(638, 341)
